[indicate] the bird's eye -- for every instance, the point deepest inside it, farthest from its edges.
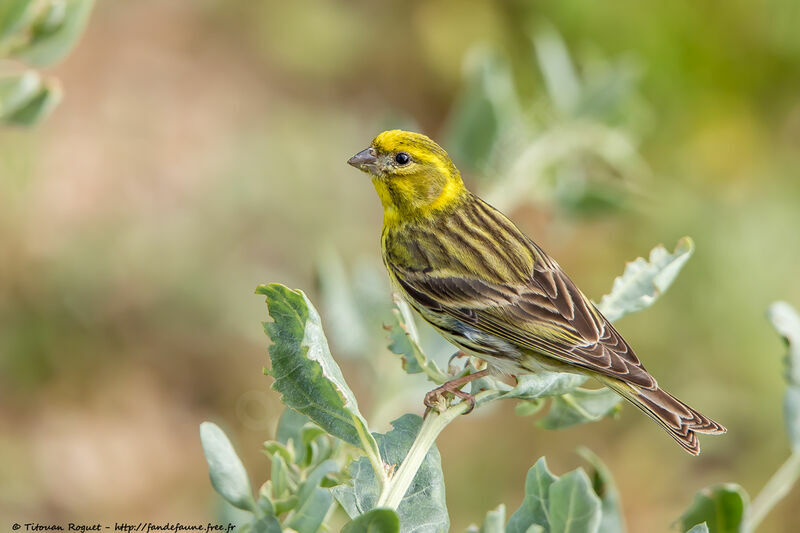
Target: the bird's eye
(402, 158)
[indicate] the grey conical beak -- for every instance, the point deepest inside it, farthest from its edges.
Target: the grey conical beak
(365, 160)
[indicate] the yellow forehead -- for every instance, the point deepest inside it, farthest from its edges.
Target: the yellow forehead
(407, 141)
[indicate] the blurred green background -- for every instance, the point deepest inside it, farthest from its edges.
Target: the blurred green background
(200, 149)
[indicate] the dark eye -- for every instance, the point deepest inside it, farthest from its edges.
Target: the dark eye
(402, 158)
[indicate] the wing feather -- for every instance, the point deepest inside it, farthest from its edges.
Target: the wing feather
(543, 312)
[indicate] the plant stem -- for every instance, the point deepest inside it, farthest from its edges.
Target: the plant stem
(393, 492)
(774, 491)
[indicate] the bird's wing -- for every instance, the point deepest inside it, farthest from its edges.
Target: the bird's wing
(546, 313)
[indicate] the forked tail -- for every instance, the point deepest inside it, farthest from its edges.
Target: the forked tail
(681, 421)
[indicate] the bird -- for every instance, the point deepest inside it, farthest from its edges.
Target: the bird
(490, 290)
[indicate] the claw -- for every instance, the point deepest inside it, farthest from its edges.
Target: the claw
(434, 399)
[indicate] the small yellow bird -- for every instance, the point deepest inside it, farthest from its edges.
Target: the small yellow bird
(491, 291)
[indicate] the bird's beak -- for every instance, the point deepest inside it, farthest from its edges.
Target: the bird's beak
(365, 160)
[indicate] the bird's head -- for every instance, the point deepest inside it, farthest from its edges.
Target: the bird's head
(414, 176)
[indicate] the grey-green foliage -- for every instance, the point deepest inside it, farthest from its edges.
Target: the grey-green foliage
(315, 463)
(721, 507)
(645, 280)
(567, 504)
(374, 521)
(787, 322)
(604, 486)
(581, 155)
(37, 33)
(305, 373)
(228, 476)
(423, 509)
(493, 523)
(305, 462)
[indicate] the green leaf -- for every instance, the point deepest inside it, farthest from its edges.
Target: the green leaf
(306, 374)
(487, 106)
(17, 90)
(573, 506)
(14, 14)
(279, 476)
(228, 476)
(558, 71)
(529, 407)
(314, 479)
(723, 507)
(272, 447)
(405, 343)
(535, 505)
(786, 321)
(25, 98)
(603, 484)
(579, 407)
(308, 516)
(643, 282)
(374, 521)
(423, 508)
(265, 524)
(51, 39)
(290, 428)
(495, 520)
(699, 528)
(38, 107)
(543, 384)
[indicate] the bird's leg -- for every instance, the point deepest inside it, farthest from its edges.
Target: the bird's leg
(433, 398)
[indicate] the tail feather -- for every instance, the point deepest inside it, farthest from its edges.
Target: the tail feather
(678, 419)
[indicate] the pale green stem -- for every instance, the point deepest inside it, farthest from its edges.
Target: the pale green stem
(774, 491)
(393, 492)
(373, 454)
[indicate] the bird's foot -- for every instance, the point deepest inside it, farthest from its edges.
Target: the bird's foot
(437, 399)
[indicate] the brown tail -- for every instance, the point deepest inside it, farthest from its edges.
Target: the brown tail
(681, 421)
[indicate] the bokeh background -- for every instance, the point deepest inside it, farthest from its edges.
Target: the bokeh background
(200, 150)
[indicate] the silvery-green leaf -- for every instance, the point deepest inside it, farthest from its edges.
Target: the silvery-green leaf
(265, 524)
(699, 528)
(495, 521)
(51, 40)
(38, 107)
(306, 374)
(535, 505)
(579, 407)
(486, 107)
(542, 384)
(17, 90)
(643, 281)
(25, 98)
(279, 476)
(14, 14)
(563, 85)
(603, 484)
(573, 505)
(722, 507)
(786, 321)
(314, 479)
(290, 428)
(228, 476)
(405, 343)
(529, 407)
(309, 516)
(374, 521)
(423, 509)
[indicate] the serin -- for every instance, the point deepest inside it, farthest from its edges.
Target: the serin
(492, 291)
